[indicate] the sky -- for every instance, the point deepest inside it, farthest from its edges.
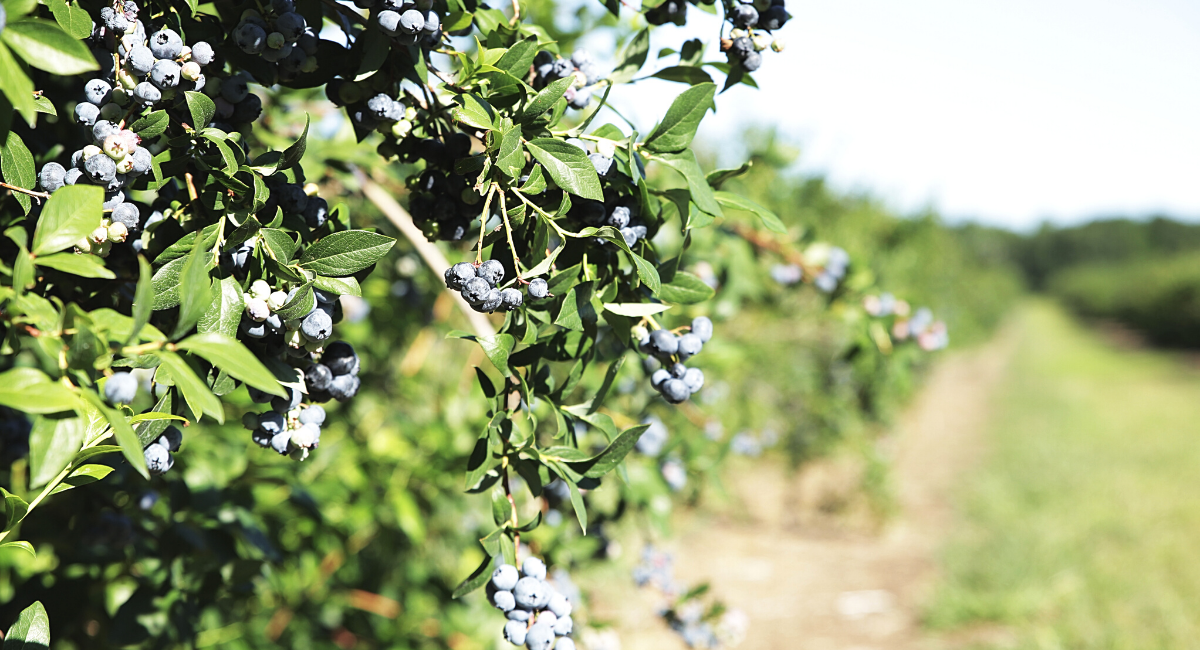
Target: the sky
(1006, 112)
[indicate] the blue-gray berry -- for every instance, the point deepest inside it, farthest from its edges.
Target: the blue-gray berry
(533, 567)
(341, 358)
(318, 377)
(693, 379)
(514, 632)
(291, 25)
(98, 91)
(158, 459)
(690, 345)
(664, 341)
(539, 637)
(492, 271)
(50, 178)
(412, 21)
(503, 601)
(505, 577)
(128, 215)
(100, 169)
(674, 391)
(86, 113)
(475, 291)
(529, 592)
(511, 298)
(165, 74)
(171, 438)
(702, 326)
(317, 326)
(147, 93)
(141, 60)
(538, 288)
(458, 275)
(165, 44)
(280, 441)
(271, 422)
(202, 53)
(344, 387)
(251, 38)
(563, 626)
(121, 388)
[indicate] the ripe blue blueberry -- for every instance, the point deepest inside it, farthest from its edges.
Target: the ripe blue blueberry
(475, 291)
(690, 345)
(674, 391)
(171, 438)
(412, 21)
(491, 302)
(693, 379)
(316, 212)
(602, 163)
(98, 92)
(271, 422)
(51, 177)
(251, 38)
(340, 358)
(560, 605)
(539, 637)
(630, 236)
(458, 275)
(158, 459)
(317, 326)
(314, 414)
(318, 377)
(146, 93)
(292, 198)
(529, 592)
(619, 217)
(492, 271)
(658, 377)
(702, 326)
(202, 53)
(664, 341)
(234, 90)
(128, 215)
(280, 441)
(73, 175)
(344, 387)
(86, 113)
(564, 644)
(503, 601)
(291, 25)
(505, 577)
(165, 44)
(752, 61)
(433, 22)
(100, 169)
(283, 405)
(563, 626)
(261, 438)
(514, 632)
(511, 298)
(102, 129)
(744, 15)
(678, 370)
(538, 288)
(534, 567)
(121, 388)
(142, 161)
(165, 74)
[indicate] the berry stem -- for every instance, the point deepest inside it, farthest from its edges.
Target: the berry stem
(547, 218)
(483, 219)
(508, 233)
(34, 193)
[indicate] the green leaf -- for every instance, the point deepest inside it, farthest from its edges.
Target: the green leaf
(684, 74)
(85, 266)
(634, 57)
(127, 440)
(502, 510)
(16, 163)
(199, 398)
(678, 127)
(546, 97)
(195, 289)
(576, 502)
(17, 87)
(84, 475)
(143, 299)
(53, 443)
(474, 111)
(605, 461)
(738, 202)
(21, 544)
(536, 183)
(165, 284)
(685, 289)
(510, 160)
(225, 313)
(568, 166)
(44, 105)
(685, 163)
(280, 245)
(496, 348)
(19, 8)
(718, 176)
(346, 286)
(31, 631)
(519, 57)
(635, 309)
(15, 509)
(228, 354)
(300, 304)
(645, 269)
(32, 391)
(68, 216)
(295, 151)
(345, 253)
(477, 579)
(72, 18)
(46, 46)
(201, 109)
(610, 376)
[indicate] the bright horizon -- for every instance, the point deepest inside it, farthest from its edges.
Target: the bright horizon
(1004, 113)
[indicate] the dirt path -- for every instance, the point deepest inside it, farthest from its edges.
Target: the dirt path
(807, 582)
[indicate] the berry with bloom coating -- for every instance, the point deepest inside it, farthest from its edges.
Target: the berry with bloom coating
(674, 391)
(514, 632)
(318, 377)
(343, 387)
(314, 414)
(317, 326)
(257, 309)
(529, 592)
(505, 577)
(202, 53)
(538, 288)
(563, 626)
(121, 388)
(534, 567)
(171, 438)
(280, 441)
(460, 274)
(560, 605)
(52, 176)
(86, 114)
(165, 74)
(340, 358)
(539, 637)
(503, 601)
(664, 342)
(158, 459)
(307, 436)
(100, 169)
(140, 60)
(702, 326)
(690, 345)
(492, 271)
(98, 91)
(166, 44)
(511, 298)
(475, 291)
(147, 93)
(564, 644)
(271, 422)
(693, 379)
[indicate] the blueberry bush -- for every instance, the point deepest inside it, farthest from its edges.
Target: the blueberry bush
(181, 239)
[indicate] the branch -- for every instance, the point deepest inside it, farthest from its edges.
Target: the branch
(22, 190)
(429, 252)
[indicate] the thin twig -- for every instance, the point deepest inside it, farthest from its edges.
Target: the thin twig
(511, 246)
(430, 253)
(34, 193)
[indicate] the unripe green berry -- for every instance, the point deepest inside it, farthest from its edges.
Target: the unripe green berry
(127, 80)
(777, 45)
(90, 151)
(190, 71)
(99, 235)
(761, 41)
(469, 196)
(117, 232)
(350, 93)
(737, 33)
(401, 129)
(294, 338)
(121, 97)
(102, 249)
(276, 300)
(185, 53)
(125, 165)
(260, 289)
(275, 40)
(310, 64)
(110, 111)
(250, 421)
(212, 87)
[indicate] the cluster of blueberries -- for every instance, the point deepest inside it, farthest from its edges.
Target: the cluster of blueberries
(280, 36)
(442, 202)
(616, 211)
(158, 453)
(292, 426)
(539, 617)
(154, 67)
(930, 334)
(479, 286)
(687, 617)
(113, 160)
(582, 66)
(744, 44)
(673, 380)
(410, 23)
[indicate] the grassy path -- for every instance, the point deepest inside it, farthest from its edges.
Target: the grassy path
(1082, 529)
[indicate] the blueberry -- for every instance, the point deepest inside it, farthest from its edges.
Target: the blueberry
(511, 299)
(412, 21)
(165, 44)
(340, 358)
(744, 15)
(283, 6)
(283, 405)
(51, 177)
(773, 18)
(491, 302)
(140, 60)
(674, 391)
(538, 288)
(251, 38)
(741, 47)
(128, 215)
(619, 217)
(533, 567)
(560, 605)
(234, 90)
(562, 627)
(630, 236)
(379, 105)
(514, 632)
(539, 637)
(602, 164)
(292, 198)
(102, 129)
(344, 387)
(581, 57)
(121, 388)
(291, 25)
(98, 92)
(492, 271)
(73, 175)
(165, 74)
(248, 110)
(529, 592)
(316, 212)
(307, 436)
(294, 61)
(142, 161)
(86, 114)
(458, 275)
(752, 61)
(259, 397)
(664, 341)
(433, 22)
(280, 441)
(271, 422)
(693, 379)
(581, 99)
(158, 459)
(314, 414)
(702, 326)
(564, 643)
(317, 326)
(475, 291)
(146, 93)
(561, 68)
(100, 169)
(318, 377)
(257, 309)
(171, 438)
(113, 199)
(518, 614)
(505, 577)
(503, 601)
(202, 53)
(260, 438)
(690, 345)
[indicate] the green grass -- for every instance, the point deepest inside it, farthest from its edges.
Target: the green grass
(1082, 528)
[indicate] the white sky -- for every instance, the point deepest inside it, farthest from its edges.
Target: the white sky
(1008, 112)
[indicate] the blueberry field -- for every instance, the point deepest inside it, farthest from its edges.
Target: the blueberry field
(422, 324)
